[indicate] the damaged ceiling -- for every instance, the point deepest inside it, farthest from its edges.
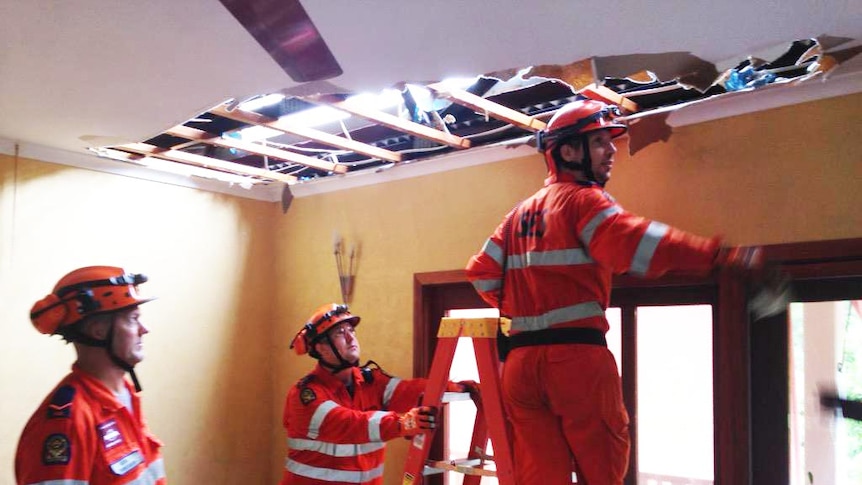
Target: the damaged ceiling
(177, 108)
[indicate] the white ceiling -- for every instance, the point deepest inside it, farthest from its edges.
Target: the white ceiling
(125, 70)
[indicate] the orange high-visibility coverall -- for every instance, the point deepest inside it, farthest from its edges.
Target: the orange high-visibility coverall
(564, 400)
(338, 437)
(81, 434)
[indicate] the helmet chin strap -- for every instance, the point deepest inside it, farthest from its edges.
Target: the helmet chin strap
(108, 345)
(342, 362)
(586, 163)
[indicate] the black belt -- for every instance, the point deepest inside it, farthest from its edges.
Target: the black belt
(550, 336)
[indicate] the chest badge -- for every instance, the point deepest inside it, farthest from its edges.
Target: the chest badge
(127, 463)
(110, 433)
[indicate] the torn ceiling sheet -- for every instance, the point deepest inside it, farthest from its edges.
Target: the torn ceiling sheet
(294, 138)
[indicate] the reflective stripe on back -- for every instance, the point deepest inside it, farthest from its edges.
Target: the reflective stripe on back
(590, 228)
(333, 449)
(332, 475)
(559, 315)
(318, 417)
(646, 247)
(549, 258)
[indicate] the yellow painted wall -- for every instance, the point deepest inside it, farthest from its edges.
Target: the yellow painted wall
(785, 175)
(205, 378)
(236, 278)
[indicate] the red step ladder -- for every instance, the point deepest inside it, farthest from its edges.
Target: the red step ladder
(490, 420)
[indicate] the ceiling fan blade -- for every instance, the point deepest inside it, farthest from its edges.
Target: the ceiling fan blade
(285, 31)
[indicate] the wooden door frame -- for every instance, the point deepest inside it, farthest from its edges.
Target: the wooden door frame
(749, 361)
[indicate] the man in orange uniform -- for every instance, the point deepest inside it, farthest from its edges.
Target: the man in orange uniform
(339, 416)
(90, 429)
(558, 250)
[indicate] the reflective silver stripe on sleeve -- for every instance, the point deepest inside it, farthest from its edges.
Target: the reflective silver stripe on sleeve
(549, 258)
(154, 472)
(390, 390)
(560, 315)
(332, 475)
(62, 482)
(590, 228)
(318, 417)
(495, 252)
(334, 449)
(374, 425)
(646, 247)
(486, 285)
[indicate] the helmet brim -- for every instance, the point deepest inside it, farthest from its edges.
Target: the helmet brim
(616, 129)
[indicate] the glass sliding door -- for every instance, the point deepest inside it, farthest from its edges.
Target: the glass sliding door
(825, 355)
(674, 395)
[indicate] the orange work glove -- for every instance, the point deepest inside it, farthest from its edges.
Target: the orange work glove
(466, 386)
(418, 420)
(463, 386)
(740, 258)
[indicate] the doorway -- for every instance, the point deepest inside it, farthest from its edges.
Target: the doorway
(751, 362)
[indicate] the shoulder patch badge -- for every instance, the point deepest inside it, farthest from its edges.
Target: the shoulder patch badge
(307, 396)
(61, 403)
(56, 450)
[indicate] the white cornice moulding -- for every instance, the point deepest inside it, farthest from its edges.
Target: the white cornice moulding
(427, 166)
(765, 98)
(268, 193)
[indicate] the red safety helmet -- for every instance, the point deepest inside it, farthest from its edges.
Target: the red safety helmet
(577, 118)
(84, 292)
(326, 317)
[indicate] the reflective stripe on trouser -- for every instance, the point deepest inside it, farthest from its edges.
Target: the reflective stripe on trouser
(331, 474)
(566, 409)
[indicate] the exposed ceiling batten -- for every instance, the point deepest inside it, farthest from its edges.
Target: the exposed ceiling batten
(393, 122)
(664, 66)
(284, 126)
(204, 162)
(487, 107)
(258, 149)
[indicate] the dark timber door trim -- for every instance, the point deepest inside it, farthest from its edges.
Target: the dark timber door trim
(750, 372)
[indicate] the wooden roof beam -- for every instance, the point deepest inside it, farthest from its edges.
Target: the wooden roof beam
(609, 96)
(285, 126)
(393, 122)
(258, 149)
(482, 105)
(142, 160)
(204, 162)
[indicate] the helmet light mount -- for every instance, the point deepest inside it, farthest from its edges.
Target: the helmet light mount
(84, 292)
